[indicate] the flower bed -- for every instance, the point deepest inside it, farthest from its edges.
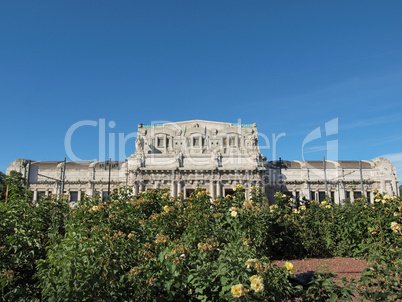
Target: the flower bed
(155, 247)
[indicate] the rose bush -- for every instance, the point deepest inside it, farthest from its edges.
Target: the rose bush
(155, 247)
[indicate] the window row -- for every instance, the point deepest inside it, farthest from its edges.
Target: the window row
(199, 141)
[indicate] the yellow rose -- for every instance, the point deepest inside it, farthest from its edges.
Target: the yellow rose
(289, 267)
(257, 285)
(237, 290)
(252, 278)
(252, 262)
(396, 227)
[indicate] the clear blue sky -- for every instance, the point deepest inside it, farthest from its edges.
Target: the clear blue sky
(289, 66)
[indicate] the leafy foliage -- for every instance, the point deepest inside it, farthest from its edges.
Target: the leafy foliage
(16, 187)
(3, 186)
(155, 247)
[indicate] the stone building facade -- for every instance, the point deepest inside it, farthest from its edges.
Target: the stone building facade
(214, 156)
(340, 179)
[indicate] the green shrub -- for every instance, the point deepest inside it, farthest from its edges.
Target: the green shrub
(155, 247)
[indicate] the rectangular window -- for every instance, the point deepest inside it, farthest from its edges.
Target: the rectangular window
(104, 195)
(232, 141)
(357, 194)
(368, 196)
(167, 143)
(196, 142)
(321, 196)
(297, 196)
(229, 192)
(189, 192)
(73, 195)
(160, 142)
(41, 194)
(333, 196)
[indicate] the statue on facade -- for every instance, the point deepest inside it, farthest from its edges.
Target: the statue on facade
(252, 141)
(138, 145)
(180, 158)
(258, 159)
(218, 158)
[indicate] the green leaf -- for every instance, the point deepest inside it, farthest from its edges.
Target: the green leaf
(190, 277)
(199, 290)
(333, 298)
(224, 280)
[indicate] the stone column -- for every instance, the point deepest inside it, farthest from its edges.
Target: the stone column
(173, 192)
(35, 195)
(342, 193)
(395, 187)
(382, 187)
(211, 188)
(79, 195)
(136, 188)
(336, 196)
(389, 189)
(179, 189)
(218, 188)
(172, 188)
(249, 185)
(306, 191)
(172, 184)
(128, 182)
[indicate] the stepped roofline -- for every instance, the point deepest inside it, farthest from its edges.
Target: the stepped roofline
(191, 122)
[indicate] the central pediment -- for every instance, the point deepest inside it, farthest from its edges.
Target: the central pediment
(197, 143)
